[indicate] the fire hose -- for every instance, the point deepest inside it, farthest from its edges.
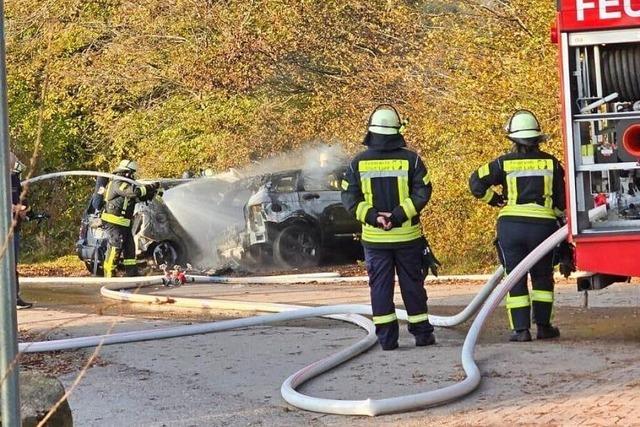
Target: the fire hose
(349, 313)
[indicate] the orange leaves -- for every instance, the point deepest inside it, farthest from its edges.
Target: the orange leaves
(183, 84)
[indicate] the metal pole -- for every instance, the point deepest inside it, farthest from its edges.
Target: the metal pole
(9, 391)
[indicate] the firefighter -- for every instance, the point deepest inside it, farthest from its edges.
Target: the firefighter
(385, 187)
(21, 212)
(119, 202)
(532, 202)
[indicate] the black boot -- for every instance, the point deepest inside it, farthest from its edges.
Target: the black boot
(522, 335)
(424, 340)
(389, 346)
(547, 331)
(22, 304)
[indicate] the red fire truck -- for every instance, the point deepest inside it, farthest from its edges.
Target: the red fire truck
(599, 48)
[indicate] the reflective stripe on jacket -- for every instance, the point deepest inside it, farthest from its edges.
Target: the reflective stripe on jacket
(393, 181)
(532, 185)
(120, 201)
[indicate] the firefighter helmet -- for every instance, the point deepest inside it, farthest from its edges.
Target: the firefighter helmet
(18, 167)
(15, 165)
(523, 128)
(385, 120)
(127, 166)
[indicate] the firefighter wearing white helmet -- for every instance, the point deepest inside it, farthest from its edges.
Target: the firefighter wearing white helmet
(385, 121)
(385, 188)
(119, 203)
(532, 200)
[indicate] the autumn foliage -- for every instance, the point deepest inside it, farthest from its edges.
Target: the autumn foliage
(182, 84)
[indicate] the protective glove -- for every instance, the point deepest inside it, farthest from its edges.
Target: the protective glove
(39, 217)
(563, 257)
(151, 190)
(497, 200)
(394, 220)
(429, 261)
(152, 186)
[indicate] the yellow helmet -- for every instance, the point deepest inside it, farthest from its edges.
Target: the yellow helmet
(127, 166)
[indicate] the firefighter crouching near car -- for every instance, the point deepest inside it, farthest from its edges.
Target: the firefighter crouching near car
(119, 202)
(532, 201)
(386, 187)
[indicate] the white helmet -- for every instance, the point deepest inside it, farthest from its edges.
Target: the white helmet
(385, 120)
(523, 127)
(127, 166)
(15, 165)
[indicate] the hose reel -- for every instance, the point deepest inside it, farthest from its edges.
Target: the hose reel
(621, 74)
(621, 71)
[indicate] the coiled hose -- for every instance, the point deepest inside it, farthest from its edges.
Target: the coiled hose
(621, 71)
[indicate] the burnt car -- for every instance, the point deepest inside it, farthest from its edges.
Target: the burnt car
(159, 238)
(294, 218)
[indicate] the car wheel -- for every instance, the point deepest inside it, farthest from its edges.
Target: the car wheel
(94, 268)
(255, 257)
(166, 253)
(297, 246)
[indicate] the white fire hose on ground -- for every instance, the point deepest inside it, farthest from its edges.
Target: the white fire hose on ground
(349, 313)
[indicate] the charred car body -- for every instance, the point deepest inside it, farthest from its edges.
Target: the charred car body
(293, 218)
(159, 238)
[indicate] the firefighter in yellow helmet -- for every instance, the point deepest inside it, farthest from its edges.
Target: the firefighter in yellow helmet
(531, 201)
(120, 199)
(385, 188)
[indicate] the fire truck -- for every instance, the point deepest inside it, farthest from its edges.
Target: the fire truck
(599, 59)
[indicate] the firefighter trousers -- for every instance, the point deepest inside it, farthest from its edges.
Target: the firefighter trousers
(120, 243)
(382, 265)
(16, 254)
(516, 239)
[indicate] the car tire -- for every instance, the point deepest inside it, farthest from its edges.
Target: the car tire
(297, 246)
(166, 253)
(95, 266)
(95, 270)
(255, 257)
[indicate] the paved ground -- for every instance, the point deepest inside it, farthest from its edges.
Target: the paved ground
(591, 376)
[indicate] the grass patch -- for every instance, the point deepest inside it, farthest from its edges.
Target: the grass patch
(67, 266)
